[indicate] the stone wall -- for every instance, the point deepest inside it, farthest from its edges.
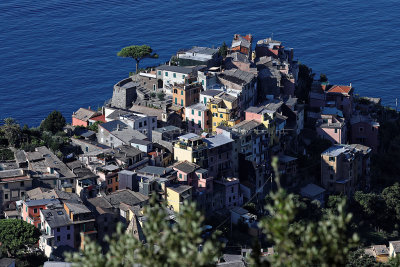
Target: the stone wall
(124, 93)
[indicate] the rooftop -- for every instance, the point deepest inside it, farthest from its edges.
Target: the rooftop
(122, 131)
(237, 76)
(41, 202)
(210, 92)
(189, 136)
(186, 167)
(203, 50)
(311, 190)
(341, 89)
(179, 188)
(150, 170)
(168, 128)
(77, 208)
(286, 158)
(177, 69)
(217, 140)
(56, 217)
(126, 196)
(84, 114)
(246, 125)
(197, 106)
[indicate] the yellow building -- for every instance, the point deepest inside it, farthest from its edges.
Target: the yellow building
(177, 194)
(192, 148)
(224, 110)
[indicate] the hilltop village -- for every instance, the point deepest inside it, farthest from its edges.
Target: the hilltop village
(203, 128)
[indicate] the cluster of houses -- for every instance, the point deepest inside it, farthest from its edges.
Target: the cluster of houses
(201, 128)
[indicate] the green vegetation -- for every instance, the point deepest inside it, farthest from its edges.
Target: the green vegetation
(324, 241)
(323, 78)
(49, 134)
(6, 154)
(305, 80)
(17, 236)
(223, 50)
(54, 122)
(167, 245)
(138, 53)
(94, 127)
(161, 96)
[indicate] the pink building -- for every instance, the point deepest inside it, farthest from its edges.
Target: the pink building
(342, 95)
(197, 118)
(364, 131)
(31, 210)
(332, 128)
(191, 174)
(229, 187)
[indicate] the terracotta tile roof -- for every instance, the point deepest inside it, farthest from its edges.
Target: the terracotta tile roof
(84, 114)
(101, 118)
(341, 89)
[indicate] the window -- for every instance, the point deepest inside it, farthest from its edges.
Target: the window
(221, 116)
(6, 197)
(154, 87)
(180, 176)
(183, 76)
(58, 229)
(68, 227)
(181, 92)
(205, 100)
(335, 130)
(232, 189)
(5, 185)
(34, 210)
(22, 183)
(166, 73)
(192, 111)
(214, 106)
(181, 102)
(159, 72)
(202, 82)
(199, 122)
(116, 188)
(361, 129)
(199, 113)
(332, 159)
(105, 219)
(140, 124)
(176, 100)
(230, 199)
(22, 194)
(58, 238)
(68, 237)
(174, 75)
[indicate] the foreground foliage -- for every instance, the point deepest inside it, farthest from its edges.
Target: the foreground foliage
(324, 242)
(179, 244)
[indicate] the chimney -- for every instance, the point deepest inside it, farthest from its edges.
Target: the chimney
(350, 84)
(117, 127)
(89, 108)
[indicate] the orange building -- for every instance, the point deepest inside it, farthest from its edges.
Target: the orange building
(242, 44)
(185, 95)
(31, 210)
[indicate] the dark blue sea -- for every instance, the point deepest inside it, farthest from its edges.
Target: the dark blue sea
(62, 54)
